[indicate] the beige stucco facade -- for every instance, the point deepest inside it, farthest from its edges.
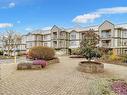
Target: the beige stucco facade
(111, 36)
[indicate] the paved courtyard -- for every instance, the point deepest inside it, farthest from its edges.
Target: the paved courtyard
(57, 79)
(8, 61)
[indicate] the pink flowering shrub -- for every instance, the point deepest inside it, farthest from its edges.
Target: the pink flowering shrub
(43, 63)
(119, 87)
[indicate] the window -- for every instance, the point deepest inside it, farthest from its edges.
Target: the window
(119, 33)
(125, 42)
(124, 33)
(73, 43)
(73, 35)
(45, 44)
(30, 44)
(119, 42)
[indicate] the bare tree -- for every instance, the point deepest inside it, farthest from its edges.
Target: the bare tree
(10, 40)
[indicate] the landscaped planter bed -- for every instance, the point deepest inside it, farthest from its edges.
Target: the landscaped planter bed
(108, 87)
(90, 67)
(29, 65)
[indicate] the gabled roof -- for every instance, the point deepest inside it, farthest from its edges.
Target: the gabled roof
(83, 28)
(106, 21)
(38, 32)
(77, 29)
(60, 28)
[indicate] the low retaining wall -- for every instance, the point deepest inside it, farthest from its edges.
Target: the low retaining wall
(91, 67)
(30, 66)
(7, 69)
(53, 61)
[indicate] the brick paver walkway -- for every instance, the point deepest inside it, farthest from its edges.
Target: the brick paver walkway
(56, 79)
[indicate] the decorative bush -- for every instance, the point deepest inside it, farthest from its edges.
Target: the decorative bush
(1, 52)
(119, 87)
(98, 54)
(100, 87)
(88, 53)
(76, 51)
(108, 87)
(43, 63)
(114, 57)
(105, 51)
(41, 52)
(124, 58)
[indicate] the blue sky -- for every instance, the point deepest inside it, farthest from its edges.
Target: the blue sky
(26, 15)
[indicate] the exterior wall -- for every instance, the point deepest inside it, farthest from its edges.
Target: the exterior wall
(106, 36)
(47, 37)
(59, 38)
(34, 40)
(54, 37)
(74, 39)
(74, 44)
(118, 38)
(47, 40)
(0, 46)
(48, 44)
(121, 47)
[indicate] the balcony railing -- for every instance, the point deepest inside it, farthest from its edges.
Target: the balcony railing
(54, 46)
(106, 36)
(54, 37)
(106, 45)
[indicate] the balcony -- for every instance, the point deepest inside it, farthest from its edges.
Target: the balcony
(54, 37)
(55, 44)
(106, 45)
(106, 37)
(106, 34)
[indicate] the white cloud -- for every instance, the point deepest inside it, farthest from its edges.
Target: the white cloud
(115, 10)
(85, 18)
(5, 25)
(99, 13)
(10, 5)
(46, 28)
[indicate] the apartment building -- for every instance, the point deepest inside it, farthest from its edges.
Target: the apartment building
(113, 37)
